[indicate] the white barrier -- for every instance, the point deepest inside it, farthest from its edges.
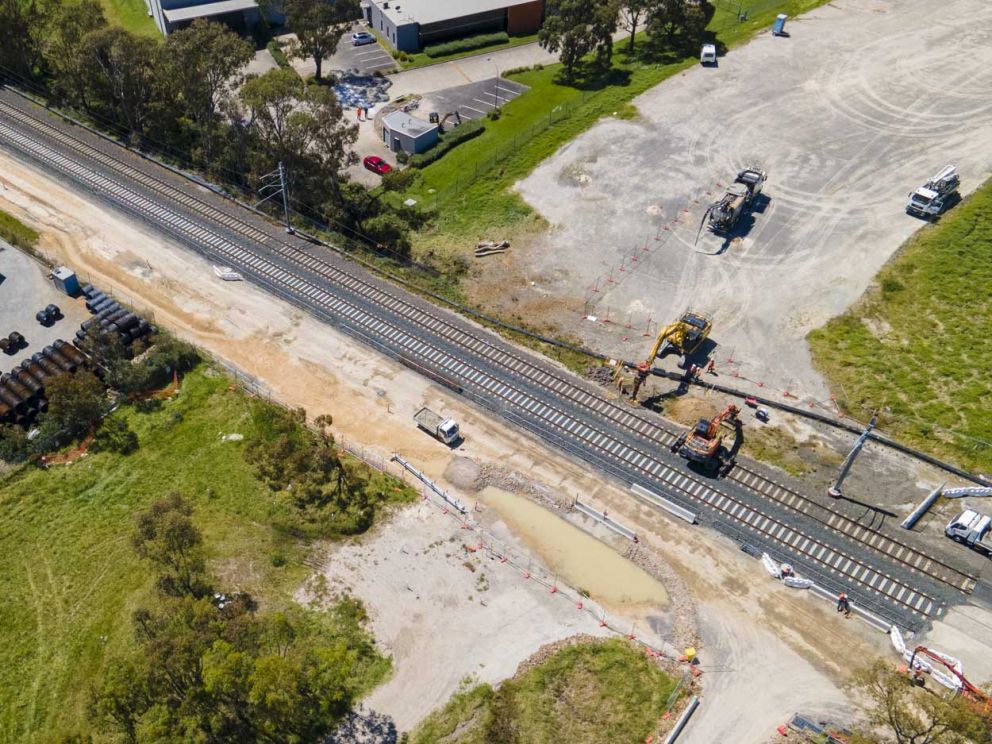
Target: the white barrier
(605, 520)
(909, 522)
(662, 503)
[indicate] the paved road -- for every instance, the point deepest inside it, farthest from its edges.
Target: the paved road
(468, 69)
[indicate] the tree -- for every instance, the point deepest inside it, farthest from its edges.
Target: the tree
(14, 443)
(390, 231)
(75, 402)
(67, 27)
(669, 17)
(631, 13)
(165, 535)
(301, 125)
(902, 713)
(574, 28)
(21, 22)
(115, 436)
(205, 674)
(203, 63)
(120, 68)
(318, 25)
(109, 352)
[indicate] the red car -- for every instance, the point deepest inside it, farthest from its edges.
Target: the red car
(377, 165)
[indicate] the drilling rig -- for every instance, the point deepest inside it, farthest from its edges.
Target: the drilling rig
(723, 215)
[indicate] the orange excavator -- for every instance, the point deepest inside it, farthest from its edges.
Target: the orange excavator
(703, 444)
(683, 336)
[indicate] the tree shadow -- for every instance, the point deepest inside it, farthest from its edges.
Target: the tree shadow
(364, 726)
(591, 76)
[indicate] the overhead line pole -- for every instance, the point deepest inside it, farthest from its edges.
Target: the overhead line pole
(845, 468)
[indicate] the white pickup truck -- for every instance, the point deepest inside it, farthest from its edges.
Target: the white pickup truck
(445, 429)
(971, 528)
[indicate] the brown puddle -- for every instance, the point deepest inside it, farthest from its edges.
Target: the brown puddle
(575, 556)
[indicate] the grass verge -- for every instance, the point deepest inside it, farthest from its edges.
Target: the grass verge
(470, 187)
(132, 15)
(17, 233)
(918, 345)
(71, 579)
(419, 59)
(583, 694)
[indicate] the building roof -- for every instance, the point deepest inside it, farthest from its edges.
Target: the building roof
(205, 10)
(400, 121)
(433, 11)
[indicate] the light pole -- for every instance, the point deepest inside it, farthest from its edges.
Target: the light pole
(496, 104)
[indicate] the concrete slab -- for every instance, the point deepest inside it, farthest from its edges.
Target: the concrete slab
(859, 106)
(473, 100)
(24, 290)
(468, 69)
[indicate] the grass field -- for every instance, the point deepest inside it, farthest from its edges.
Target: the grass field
(71, 580)
(16, 232)
(470, 185)
(584, 694)
(919, 343)
(132, 15)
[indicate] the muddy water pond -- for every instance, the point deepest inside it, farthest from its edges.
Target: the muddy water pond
(575, 556)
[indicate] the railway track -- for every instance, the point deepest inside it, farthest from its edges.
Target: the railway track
(567, 412)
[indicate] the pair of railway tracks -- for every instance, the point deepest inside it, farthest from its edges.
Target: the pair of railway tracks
(895, 579)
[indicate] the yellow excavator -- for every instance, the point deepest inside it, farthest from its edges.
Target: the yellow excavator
(684, 336)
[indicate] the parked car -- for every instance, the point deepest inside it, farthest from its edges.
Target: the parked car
(377, 165)
(708, 54)
(361, 38)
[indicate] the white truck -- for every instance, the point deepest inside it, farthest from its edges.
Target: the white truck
(439, 427)
(971, 528)
(935, 195)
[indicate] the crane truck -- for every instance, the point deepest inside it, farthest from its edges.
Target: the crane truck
(684, 336)
(936, 195)
(723, 215)
(439, 427)
(703, 444)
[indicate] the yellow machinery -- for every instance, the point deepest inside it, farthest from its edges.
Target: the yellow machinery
(684, 336)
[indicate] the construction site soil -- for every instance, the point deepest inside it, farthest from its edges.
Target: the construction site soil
(861, 103)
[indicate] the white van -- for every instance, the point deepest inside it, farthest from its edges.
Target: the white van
(708, 55)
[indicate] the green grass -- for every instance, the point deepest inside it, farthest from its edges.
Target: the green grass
(17, 233)
(71, 580)
(585, 694)
(470, 187)
(132, 15)
(919, 343)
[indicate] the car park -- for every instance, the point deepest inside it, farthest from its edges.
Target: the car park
(377, 165)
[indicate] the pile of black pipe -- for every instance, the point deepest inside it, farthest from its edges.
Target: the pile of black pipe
(110, 317)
